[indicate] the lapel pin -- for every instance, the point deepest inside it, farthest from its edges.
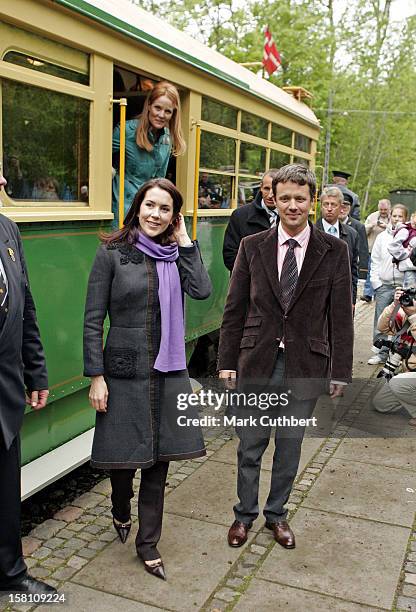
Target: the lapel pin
(11, 254)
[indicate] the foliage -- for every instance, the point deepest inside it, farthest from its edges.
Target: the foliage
(351, 56)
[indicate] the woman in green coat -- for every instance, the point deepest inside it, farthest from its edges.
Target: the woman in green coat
(151, 139)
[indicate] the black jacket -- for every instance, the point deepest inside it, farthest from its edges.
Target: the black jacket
(22, 361)
(363, 252)
(350, 236)
(245, 221)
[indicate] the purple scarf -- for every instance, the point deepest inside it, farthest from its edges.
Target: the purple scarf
(171, 355)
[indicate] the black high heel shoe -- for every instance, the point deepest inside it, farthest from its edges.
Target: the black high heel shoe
(123, 530)
(157, 570)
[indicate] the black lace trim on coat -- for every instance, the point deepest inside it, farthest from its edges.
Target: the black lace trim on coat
(128, 252)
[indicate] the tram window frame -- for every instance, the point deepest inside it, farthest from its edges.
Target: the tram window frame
(40, 64)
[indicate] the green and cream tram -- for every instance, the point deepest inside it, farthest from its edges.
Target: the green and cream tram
(63, 63)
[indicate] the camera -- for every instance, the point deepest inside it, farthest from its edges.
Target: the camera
(397, 352)
(407, 297)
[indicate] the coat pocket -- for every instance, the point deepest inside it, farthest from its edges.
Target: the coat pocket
(120, 362)
(319, 346)
(248, 341)
(252, 326)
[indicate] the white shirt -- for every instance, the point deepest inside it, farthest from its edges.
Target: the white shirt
(327, 225)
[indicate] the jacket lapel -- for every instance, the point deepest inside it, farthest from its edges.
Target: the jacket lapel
(268, 253)
(8, 251)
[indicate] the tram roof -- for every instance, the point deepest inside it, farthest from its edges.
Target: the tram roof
(136, 23)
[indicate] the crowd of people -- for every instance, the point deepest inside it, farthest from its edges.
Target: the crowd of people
(284, 271)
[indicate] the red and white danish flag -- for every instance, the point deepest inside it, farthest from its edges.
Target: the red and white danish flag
(271, 56)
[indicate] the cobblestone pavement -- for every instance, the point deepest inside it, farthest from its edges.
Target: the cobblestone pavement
(352, 509)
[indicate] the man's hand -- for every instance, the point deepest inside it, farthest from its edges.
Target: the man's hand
(37, 399)
(98, 395)
(398, 292)
(336, 390)
(229, 377)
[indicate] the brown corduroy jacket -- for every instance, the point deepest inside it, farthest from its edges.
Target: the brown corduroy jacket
(317, 328)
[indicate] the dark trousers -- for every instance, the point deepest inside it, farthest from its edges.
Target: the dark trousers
(253, 443)
(12, 566)
(150, 504)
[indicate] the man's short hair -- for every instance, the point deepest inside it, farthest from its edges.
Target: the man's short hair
(270, 172)
(332, 192)
(296, 173)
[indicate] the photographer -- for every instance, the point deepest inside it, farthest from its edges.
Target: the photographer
(399, 319)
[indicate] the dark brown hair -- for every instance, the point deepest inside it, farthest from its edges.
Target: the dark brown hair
(296, 173)
(129, 231)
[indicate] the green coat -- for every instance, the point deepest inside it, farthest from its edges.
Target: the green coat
(141, 165)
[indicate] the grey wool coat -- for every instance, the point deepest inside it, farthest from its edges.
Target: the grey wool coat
(140, 425)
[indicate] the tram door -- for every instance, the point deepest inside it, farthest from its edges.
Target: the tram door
(135, 87)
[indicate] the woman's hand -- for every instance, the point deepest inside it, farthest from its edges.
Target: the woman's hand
(397, 294)
(180, 235)
(98, 394)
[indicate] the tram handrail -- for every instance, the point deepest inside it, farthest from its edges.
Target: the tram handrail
(122, 168)
(196, 181)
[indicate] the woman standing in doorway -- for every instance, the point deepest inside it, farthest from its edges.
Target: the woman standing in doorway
(151, 139)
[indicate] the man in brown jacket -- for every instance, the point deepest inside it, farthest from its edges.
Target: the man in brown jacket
(287, 319)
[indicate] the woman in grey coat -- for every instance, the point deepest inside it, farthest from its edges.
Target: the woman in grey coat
(138, 279)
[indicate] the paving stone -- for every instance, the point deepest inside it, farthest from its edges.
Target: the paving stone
(192, 578)
(103, 487)
(75, 526)
(55, 543)
(250, 560)
(409, 590)
(30, 562)
(52, 562)
(42, 553)
(235, 583)
(311, 470)
(75, 543)
(108, 536)
(257, 550)
(87, 553)
(68, 514)
(187, 470)
(93, 529)
(47, 529)
(410, 567)
(406, 603)
(367, 583)
(88, 500)
(90, 518)
(63, 553)
(262, 596)
(76, 562)
(29, 545)
(217, 606)
(64, 573)
(412, 546)
(264, 539)
(87, 537)
(410, 578)
(226, 594)
(97, 510)
(103, 521)
(357, 492)
(39, 572)
(97, 545)
(411, 556)
(65, 533)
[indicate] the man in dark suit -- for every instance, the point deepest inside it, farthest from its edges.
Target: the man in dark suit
(288, 321)
(340, 179)
(345, 217)
(331, 201)
(22, 366)
(250, 219)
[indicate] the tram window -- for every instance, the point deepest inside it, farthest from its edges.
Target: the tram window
(35, 63)
(247, 190)
(278, 159)
(251, 124)
(252, 158)
(281, 135)
(217, 152)
(45, 144)
(301, 160)
(218, 113)
(214, 190)
(302, 143)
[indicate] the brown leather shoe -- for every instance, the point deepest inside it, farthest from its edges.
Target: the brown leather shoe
(282, 534)
(238, 533)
